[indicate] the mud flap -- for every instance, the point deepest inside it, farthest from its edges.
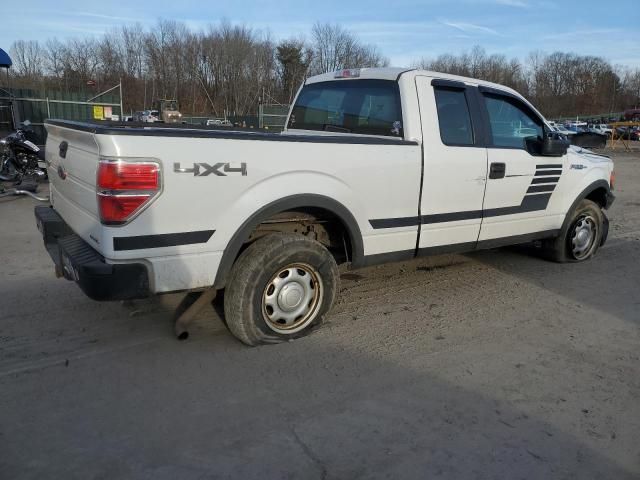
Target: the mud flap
(605, 228)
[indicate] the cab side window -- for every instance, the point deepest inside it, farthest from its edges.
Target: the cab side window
(512, 124)
(453, 117)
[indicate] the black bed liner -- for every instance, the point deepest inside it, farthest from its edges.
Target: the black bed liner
(189, 131)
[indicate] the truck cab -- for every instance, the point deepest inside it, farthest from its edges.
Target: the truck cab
(168, 111)
(487, 176)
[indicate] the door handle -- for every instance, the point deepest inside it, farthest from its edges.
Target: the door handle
(497, 170)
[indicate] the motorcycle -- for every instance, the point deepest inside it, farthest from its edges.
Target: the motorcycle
(20, 158)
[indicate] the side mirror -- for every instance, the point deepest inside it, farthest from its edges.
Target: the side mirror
(554, 144)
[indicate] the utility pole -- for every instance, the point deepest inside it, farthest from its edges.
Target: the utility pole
(121, 109)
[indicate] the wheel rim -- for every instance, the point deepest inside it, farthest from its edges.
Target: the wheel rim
(583, 236)
(292, 298)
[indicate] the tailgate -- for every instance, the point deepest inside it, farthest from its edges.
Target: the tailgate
(72, 155)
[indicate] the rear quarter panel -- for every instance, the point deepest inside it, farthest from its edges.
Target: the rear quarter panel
(371, 181)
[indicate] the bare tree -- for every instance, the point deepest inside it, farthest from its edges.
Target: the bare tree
(54, 61)
(28, 60)
(560, 84)
(226, 68)
(335, 48)
(80, 62)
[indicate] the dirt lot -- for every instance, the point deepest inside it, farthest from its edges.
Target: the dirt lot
(495, 364)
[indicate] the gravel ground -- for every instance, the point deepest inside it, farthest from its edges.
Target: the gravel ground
(495, 364)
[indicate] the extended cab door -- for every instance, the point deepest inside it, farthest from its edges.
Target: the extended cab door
(521, 181)
(455, 165)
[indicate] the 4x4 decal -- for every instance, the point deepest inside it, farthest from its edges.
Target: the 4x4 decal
(204, 169)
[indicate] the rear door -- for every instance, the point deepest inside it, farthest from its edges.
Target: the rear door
(520, 181)
(455, 165)
(363, 156)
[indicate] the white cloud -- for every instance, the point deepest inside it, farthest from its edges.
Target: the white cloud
(513, 3)
(580, 34)
(469, 27)
(103, 17)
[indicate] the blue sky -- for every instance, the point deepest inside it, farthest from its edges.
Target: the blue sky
(403, 30)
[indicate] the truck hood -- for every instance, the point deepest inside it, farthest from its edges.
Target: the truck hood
(579, 155)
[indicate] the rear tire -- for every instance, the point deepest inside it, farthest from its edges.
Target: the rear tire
(580, 238)
(280, 288)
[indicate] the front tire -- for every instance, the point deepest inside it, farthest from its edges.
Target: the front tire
(280, 288)
(581, 237)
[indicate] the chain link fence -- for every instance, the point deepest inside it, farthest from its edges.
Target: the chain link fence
(273, 117)
(20, 104)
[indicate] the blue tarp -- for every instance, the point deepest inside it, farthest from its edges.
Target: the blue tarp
(5, 60)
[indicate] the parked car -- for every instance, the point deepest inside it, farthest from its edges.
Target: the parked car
(375, 165)
(581, 136)
(577, 126)
(219, 123)
(563, 130)
(628, 133)
(150, 116)
(600, 128)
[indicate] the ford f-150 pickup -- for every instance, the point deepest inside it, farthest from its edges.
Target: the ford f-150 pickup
(374, 165)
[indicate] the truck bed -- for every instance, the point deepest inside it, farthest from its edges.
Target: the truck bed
(202, 131)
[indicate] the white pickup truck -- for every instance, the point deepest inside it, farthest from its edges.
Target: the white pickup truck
(375, 165)
(600, 128)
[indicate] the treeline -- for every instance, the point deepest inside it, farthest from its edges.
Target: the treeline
(228, 69)
(559, 84)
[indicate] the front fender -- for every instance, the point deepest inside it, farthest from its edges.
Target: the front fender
(592, 187)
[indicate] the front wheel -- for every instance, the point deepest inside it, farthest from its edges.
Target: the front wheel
(581, 237)
(280, 288)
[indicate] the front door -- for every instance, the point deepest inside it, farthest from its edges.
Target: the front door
(520, 181)
(455, 166)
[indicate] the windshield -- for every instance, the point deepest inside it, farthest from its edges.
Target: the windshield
(351, 106)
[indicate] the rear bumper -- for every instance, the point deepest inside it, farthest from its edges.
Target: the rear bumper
(75, 260)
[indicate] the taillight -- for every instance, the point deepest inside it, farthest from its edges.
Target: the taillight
(124, 189)
(128, 176)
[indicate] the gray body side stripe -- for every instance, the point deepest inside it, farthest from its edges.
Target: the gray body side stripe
(530, 203)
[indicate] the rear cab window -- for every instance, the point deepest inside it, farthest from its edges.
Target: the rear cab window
(366, 106)
(454, 118)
